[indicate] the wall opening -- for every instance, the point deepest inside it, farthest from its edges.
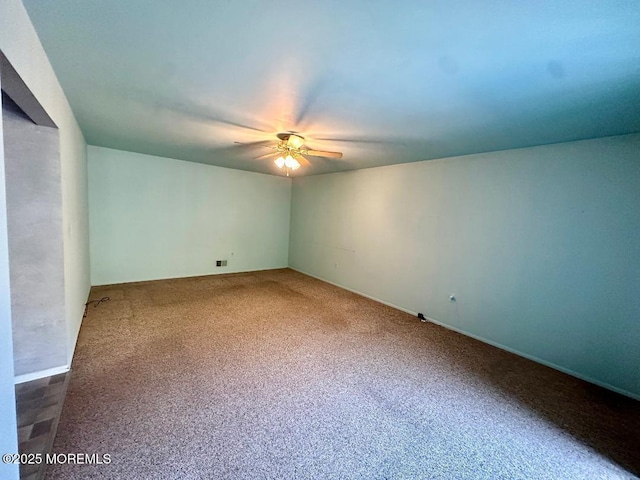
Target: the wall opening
(34, 228)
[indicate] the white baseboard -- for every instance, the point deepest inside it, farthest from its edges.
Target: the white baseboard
(74, 340)
(224, 272)
(397, 307)
(484, 340)
(539, 360)
(27, 377)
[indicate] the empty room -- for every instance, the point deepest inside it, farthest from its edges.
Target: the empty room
(319, 240)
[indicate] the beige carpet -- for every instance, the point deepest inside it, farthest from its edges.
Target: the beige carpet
(278, 375)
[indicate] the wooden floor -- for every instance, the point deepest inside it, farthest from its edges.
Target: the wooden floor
(38, 405)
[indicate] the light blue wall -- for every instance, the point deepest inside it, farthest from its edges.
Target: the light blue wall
(154, 217)
(541, 247)
(21, 46)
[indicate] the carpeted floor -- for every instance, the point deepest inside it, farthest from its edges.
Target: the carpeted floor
(278, 375)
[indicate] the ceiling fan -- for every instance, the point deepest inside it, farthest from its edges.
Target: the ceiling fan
(291, 149)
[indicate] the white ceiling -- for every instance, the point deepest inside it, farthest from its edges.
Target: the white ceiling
(389, 81)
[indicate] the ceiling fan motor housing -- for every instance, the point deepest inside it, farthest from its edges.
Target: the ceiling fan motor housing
(291, 140)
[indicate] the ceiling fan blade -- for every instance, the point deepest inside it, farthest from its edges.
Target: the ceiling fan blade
(266, 155)
(303, 161)
(261, 143)
(321, 153)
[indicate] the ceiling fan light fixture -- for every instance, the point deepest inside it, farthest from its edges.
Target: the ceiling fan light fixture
(291, 163)
(291, 152)
(287, 162)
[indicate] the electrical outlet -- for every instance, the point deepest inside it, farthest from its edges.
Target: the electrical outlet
(224, 263)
